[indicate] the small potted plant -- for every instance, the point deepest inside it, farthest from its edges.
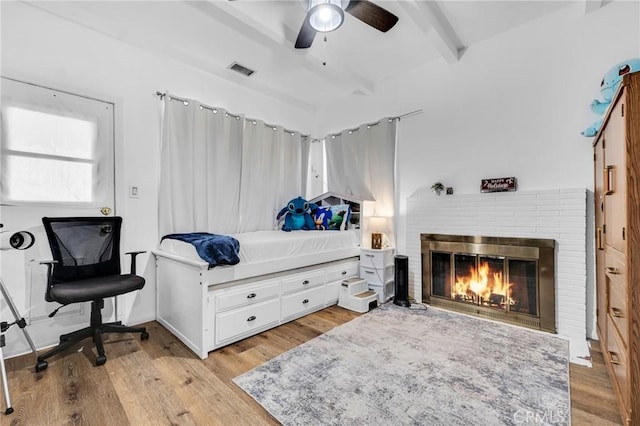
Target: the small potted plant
(437, 187)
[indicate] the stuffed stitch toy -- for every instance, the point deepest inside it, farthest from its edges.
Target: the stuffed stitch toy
(608, 88)
(296, 215)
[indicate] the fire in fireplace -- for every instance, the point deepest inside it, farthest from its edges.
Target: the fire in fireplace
(507, 279)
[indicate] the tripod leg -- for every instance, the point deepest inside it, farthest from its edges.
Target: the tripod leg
(5, 383)
(19, 320)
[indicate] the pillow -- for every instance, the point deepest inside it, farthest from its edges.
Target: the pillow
(340, 215)
(321, 217)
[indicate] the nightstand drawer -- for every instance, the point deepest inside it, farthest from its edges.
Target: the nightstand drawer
(376, 258)
(385, 292)
(374, 276)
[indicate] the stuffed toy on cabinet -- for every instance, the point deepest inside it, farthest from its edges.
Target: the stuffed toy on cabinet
(608, 88)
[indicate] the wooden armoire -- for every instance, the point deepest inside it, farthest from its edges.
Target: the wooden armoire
(617, 222)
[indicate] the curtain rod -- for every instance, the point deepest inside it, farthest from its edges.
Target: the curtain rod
(237, 117)
(409, 114)
(228, 114)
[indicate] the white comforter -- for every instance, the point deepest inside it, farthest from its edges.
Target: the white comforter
(264, 246)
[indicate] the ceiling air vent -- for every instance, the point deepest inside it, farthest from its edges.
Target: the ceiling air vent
(241, 69)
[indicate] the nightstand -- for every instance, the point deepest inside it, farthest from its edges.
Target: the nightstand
(376, 268)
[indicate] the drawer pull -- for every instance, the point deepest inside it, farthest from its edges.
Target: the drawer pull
(617, 313)
(613, 358)
(369, 272)
(599, 245)
(305, 282)
(251, 295)
(609, 180)
(611, 270)
(368, 255)
(305, 301)
(344, 272)
(251, 318)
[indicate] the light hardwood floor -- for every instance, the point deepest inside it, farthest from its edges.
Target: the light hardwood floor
(161, 382)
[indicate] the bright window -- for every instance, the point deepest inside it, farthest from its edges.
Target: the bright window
(57, 147)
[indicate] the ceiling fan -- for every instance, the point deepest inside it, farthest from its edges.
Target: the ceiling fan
(328, 15)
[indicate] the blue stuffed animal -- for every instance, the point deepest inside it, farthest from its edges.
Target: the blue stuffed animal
(296, 215)
(321, 217)
(608, 88)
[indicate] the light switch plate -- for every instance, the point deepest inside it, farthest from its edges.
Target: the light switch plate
(134, 191)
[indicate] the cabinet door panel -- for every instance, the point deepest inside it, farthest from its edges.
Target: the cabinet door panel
(599, 200)
(614, 176)
(616, 279)
(617, 358)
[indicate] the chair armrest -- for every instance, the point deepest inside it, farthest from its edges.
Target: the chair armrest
(49, 264)
(133, 259)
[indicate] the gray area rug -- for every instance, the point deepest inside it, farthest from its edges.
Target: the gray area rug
(397, 366)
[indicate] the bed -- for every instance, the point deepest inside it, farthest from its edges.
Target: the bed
(281, 276)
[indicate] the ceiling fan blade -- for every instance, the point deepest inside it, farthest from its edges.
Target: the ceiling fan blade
(306, 35)
(372, 14)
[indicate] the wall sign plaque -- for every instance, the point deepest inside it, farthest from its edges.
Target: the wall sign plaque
(498, 184)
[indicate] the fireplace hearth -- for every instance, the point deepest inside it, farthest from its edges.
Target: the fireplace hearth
(500, 278)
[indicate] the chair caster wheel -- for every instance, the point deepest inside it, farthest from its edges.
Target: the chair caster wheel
(144, 335)
(41, 366)
(101, 360)
(8, 411)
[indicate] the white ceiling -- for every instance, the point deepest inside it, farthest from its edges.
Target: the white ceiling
(260, 35)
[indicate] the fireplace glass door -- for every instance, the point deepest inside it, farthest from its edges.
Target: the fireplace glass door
(500, 278)
(496, 282)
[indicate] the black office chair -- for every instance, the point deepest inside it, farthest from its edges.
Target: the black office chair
(86, 268)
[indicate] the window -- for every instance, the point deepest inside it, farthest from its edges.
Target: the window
(56, 147)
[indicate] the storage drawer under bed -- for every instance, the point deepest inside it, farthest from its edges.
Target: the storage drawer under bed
(233, 298)
(298, 304)
(345, 271)
(302, 282)
(246, 320)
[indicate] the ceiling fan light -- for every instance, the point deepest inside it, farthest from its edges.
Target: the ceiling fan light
(325, 15)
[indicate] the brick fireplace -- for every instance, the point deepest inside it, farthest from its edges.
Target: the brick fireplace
(557, 215)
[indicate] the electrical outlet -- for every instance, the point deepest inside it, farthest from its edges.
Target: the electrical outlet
(134, 191)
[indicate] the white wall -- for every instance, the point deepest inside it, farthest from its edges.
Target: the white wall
(514, 105)
(40, 48)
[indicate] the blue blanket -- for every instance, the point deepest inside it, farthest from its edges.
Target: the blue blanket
(215, 249)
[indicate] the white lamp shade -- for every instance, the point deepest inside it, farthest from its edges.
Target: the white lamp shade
(325, 15)
(378, 223)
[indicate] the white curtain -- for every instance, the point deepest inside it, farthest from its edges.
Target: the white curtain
(271, 173)
(222, 173)
(201, 158)
(305, 144)
(360, 162)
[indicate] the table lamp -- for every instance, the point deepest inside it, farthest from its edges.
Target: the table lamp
(377, 224)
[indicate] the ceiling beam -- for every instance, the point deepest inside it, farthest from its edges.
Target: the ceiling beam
(69, 11)
(592, 5)
(428, 16)
(225, 13)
